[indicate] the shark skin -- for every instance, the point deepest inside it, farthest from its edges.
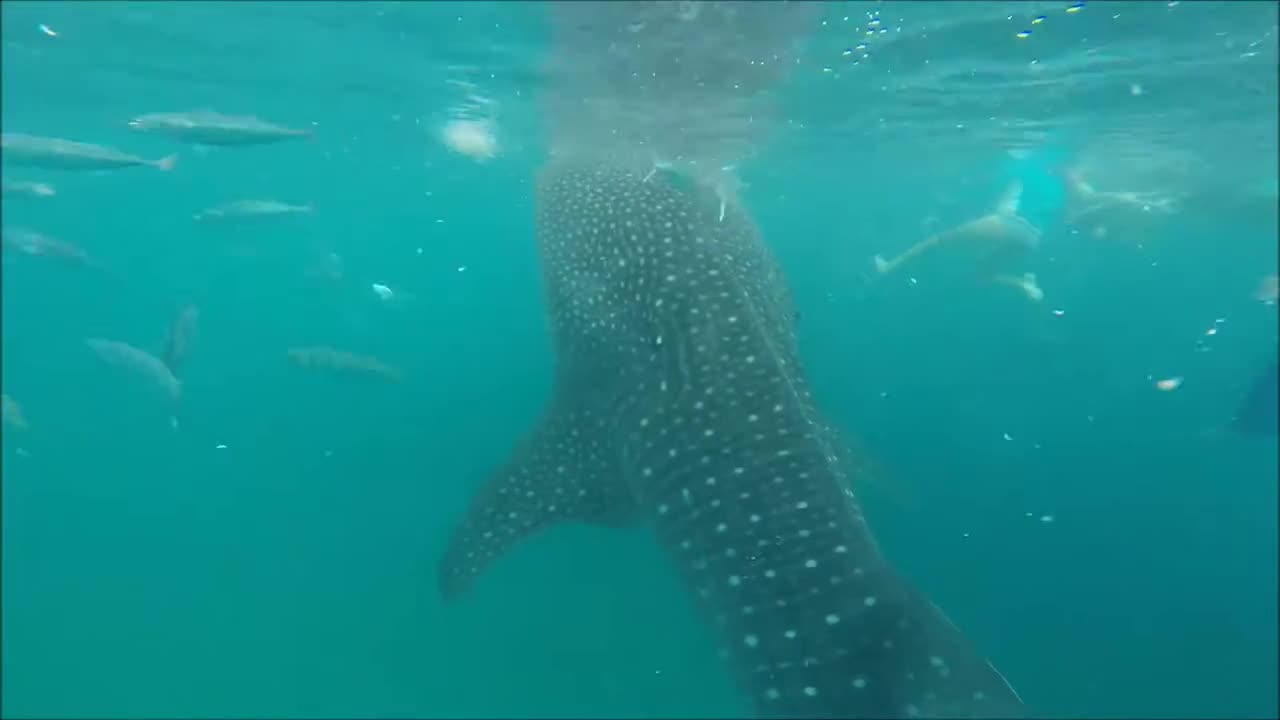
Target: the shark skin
(679, 401)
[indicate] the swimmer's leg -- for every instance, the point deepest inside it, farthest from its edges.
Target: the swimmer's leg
(1026, 282)
(884, 267)
(989, 228)
(981, 229)
(994, 264)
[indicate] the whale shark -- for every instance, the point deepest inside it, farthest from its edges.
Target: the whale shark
(679, 401)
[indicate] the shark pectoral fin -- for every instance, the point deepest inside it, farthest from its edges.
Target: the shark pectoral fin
(957, 681)
(564, 471)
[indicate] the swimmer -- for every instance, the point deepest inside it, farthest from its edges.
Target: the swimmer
(1097, 211)
(1008, 235)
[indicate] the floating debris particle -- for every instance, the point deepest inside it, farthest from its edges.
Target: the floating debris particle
(473, 138)
(1168, 384)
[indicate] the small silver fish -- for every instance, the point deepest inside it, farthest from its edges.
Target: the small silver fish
(182, 332)
(142, 362)
(328, 358)
(30, 242)
(59, 154)
(27, 188)
(205, 127)
(242, 209)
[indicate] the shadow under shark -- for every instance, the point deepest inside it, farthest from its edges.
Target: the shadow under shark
(679, 401)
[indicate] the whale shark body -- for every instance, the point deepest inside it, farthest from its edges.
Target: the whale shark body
(679, 401)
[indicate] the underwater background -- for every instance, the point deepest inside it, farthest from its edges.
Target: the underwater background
(268, 546)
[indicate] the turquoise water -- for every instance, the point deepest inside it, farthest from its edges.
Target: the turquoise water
(149, 573)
